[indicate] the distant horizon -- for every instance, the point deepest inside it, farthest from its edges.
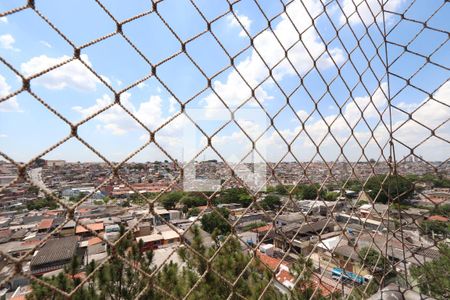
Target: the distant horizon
(219, 161)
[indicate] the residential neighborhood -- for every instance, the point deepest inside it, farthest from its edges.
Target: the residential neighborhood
(332, 231)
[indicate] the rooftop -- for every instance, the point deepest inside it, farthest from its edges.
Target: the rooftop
(54, 254)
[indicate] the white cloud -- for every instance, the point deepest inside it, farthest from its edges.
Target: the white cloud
(7, 42)
(302, 115)
(243, 19)
(359, 11)
(119, 122)
(73, 74)
(142, 85)
(10, 105)
(234, 90)
(46, 44)
(3, 136)
(173, 104)
(4, 20)
(431, 114)
(106, 79)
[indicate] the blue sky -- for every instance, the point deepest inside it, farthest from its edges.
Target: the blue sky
(27, 128)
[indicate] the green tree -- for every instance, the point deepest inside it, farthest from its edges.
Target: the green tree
(192, 201)
(442, 210)
(213, 220)
(383, 188)
(430, 227)
(41, 203)
(234, 195)
(171, 199)
(309, 191)
(195, 211)
(281, 189)
(331, 196)
(270, 202)
(433, 277)
(373, 260)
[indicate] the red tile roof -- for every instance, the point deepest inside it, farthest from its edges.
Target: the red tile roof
(94, 227)
(45, 224)
(264, 228)
(284, 275)
(94, 241)
(269, 261)
(438, 218)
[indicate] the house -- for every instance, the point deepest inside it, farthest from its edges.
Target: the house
(248, 239)
(45, 225)
(248, 218)
(83, 230)
(436, 196)
(150, 242)
(300, 232)
(289, 218)
(270, 262)
(162, 236)
(112, 232)
(54, 255)
(68, 229)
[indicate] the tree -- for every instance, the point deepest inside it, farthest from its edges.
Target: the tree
(195, 211)
(117, 280)
(331, 196)
(373, 260)
(309, 191)
(281, 189)
(41, 203)
(433, 277)
(213, 220)
(442, 210)
(235, 195)
(33, 190)
(383, 188)
(106, 199)
(430, 227)
(192, 201)
(270, 202)
(171, 199)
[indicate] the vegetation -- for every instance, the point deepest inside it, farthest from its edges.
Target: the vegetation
(394, 188)
(270, 202)
(114, 280)
(309, 191)
(430, 227)
(279, 189)
(77, 198)
(171, 199)
(41, 203)
(331, 196)
(253, 226)
(121, 281)
(234, 195)
(213, 222)
(433, 277)
(442, 210)
(373, 260)
(195, 211)
(436, 180)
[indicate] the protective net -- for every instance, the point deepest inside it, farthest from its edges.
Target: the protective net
(304, 157)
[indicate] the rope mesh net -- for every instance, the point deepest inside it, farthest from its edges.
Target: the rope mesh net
(363, 66)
